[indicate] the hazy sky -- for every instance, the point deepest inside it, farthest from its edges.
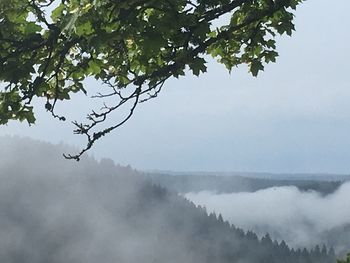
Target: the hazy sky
(295, 117)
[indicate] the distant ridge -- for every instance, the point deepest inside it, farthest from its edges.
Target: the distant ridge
(233, 183)
(264, 175)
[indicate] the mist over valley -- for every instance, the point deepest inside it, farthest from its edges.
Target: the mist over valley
(57, 211)
(298, 208)
(186, 142)
(301, 218)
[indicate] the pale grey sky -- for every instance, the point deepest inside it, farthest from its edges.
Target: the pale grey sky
(295, 117)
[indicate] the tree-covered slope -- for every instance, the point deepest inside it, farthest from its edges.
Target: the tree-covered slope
(56, 211)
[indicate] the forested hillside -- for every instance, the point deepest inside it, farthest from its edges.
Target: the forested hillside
(57, 211)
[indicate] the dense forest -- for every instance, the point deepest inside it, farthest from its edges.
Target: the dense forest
(58, 211)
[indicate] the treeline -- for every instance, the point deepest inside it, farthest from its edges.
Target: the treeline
(185, 183)
(220, 241)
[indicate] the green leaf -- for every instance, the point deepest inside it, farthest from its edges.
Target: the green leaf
(31, 28)
(57, 12)
(255, 67)
(84, 29)
(197, 66)
(29, 115)
(94, 68)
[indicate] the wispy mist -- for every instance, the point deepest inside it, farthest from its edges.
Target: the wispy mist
(302, 219)
(54, 210)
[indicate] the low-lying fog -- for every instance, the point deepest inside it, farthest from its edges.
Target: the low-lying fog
(302, 219)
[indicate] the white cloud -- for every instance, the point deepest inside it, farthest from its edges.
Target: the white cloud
(300, 218)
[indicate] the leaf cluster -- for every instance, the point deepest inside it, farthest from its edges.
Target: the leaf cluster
(48, 48)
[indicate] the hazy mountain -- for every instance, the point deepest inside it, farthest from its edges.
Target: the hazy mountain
(53, 210)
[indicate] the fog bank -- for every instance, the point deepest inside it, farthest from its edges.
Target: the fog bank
(54, 210)
(302, 219)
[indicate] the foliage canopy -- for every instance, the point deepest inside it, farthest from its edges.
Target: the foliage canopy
(49, 47)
